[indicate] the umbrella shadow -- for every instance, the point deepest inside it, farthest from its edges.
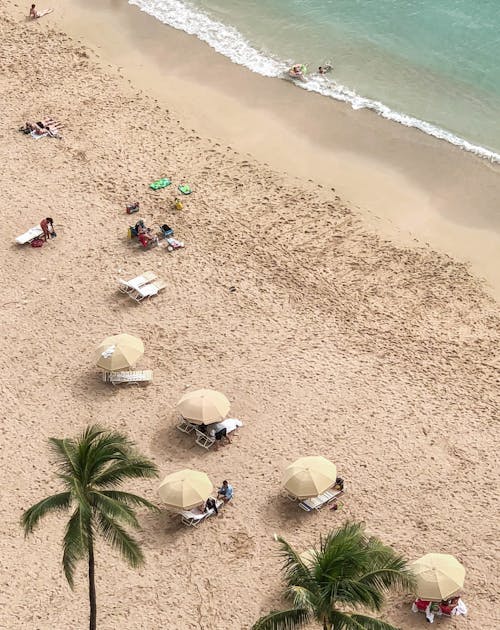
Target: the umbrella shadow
(282, 513)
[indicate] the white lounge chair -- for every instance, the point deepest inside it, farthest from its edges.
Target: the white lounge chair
(128, 376)
(147, 290)
(128, 286)
(29, 235)
(316, 503)
(206, 440)
(185, 426)
(194, 517)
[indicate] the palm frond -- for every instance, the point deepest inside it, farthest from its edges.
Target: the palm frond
(105, 447)
(130, 499)
(66, 456)
(393, 575)
(301, 597)
(297, 572)
(54, 503)
(113, 509)
(354, 593)
(346, 621)
(119, 539)
(118, 472)
(283, 620)
(75, 545)
(371, 623)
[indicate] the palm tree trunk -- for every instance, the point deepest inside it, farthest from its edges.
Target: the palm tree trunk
(92, 593)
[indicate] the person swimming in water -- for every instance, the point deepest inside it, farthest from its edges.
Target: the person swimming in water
(324, 69)
(297, 71)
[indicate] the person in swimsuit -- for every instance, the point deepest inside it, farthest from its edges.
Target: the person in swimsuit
(47, 226)
(34, 14)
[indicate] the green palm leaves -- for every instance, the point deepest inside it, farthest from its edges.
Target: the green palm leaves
(348, 571)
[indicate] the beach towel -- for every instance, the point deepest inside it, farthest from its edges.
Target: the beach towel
(160, 183)
(185, 189)
(173, 243)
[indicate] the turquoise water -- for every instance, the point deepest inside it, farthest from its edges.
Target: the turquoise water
(430, 64)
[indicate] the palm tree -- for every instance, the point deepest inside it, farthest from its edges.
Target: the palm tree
(91, 468)
(348, 571)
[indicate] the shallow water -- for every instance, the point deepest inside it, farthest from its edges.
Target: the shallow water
(431, 65)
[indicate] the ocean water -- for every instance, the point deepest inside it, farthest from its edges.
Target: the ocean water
(429, 64)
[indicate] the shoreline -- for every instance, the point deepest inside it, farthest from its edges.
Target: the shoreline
(407, 185)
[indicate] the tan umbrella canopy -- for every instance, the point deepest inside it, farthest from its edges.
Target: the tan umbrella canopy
(118, 352)
(185, 489)
(439, 576)
(309, 476)
(203, 406)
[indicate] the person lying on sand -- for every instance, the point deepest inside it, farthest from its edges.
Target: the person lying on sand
(34, 14)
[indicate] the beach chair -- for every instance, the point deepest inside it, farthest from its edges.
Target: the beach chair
(316, 503)
(29, 235)
(204, 440)
(147, 290)
(192, 518)
(128, 376)
(185, 426)
(127, 286)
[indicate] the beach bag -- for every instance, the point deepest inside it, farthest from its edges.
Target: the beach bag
(36, 242)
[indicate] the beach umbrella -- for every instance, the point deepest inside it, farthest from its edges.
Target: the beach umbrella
(185, 489)
(309, 477)
(118, 352)
(439, 576)
(203, 406)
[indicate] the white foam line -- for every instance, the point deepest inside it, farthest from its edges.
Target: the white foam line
(227, 41)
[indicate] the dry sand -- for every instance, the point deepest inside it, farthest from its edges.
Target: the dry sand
(336, 342)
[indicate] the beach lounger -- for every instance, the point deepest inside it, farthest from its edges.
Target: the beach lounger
(147, 290)
(194, 517)
(204, 440)
(127, 286)
(185, 426)
(207, 440)
(29, 235)
(128, 376)
(316, 503)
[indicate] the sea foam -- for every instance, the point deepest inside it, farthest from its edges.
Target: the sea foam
(229, 42)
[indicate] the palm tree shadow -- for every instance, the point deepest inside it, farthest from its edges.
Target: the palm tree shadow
(162, 530)
(282, 513)
(172, 443)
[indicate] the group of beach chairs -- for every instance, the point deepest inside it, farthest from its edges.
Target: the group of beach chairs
(329, 497)
(195, 516)
(207, 438)
(147, 285)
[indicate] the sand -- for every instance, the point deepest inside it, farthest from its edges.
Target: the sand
(337, 341)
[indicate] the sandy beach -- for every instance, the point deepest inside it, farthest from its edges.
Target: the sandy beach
(357, 330)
